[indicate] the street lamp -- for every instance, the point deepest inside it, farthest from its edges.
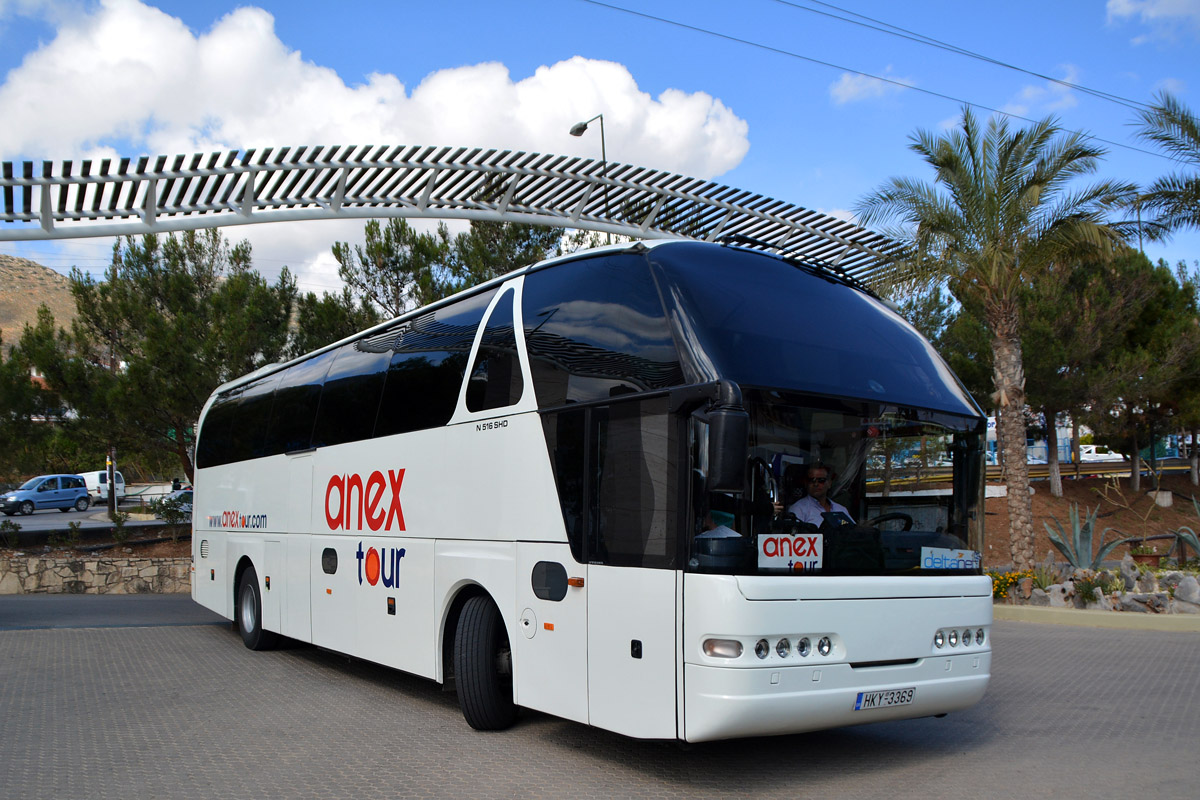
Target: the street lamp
(578, 129)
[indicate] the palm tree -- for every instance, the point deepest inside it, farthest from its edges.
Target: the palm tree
(1003, 207)
(1174, 199)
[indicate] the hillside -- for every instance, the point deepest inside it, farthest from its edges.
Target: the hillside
(24, 285)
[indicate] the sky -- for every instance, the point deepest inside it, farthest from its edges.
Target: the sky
(777, 97)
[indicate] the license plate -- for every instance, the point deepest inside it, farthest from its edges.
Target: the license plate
(891, 697)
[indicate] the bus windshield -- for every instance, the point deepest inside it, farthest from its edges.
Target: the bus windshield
(842, 487)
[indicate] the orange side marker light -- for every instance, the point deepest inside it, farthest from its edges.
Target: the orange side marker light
(576, 582)
(548, 626)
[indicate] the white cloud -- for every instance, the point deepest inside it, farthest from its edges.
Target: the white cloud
(1047, 98)
(851, 87)
(1173, 85)
(126, 78)
(1164, 18)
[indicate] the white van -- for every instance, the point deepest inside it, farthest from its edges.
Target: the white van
(97, 485)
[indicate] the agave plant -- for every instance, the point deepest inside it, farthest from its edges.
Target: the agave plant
(1078, 550)
(1187, 537)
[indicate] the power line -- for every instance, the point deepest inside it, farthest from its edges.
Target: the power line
(920, 38)
(901, 84)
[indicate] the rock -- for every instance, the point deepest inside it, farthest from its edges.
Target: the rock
(1098, 601)
(1025, 588)
(1169, 580)
(1145, 603)
(1061, 595)
(1147, 583)
(1039, 598)
(1129, 572)
(1188, 590)
(1184, 607)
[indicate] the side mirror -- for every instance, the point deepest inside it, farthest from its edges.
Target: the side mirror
(728, 438)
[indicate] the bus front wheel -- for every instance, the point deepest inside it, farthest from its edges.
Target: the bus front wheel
(249, 613)
(483, 667)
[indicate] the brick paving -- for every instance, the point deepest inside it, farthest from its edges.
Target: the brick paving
(182, 711)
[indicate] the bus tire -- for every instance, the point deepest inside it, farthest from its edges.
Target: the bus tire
(249, 614)
(483, 667)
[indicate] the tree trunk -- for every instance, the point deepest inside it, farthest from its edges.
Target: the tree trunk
(1194, 455)
(1135, 466)
(1052, 451)
(1009, 375)
(1075, 444)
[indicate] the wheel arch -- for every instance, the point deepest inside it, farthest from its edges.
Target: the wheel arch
(244, 563)
(461, 594)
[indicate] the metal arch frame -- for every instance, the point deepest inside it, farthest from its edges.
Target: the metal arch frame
(163, 193)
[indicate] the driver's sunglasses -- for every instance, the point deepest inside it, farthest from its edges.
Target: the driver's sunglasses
(818, 480)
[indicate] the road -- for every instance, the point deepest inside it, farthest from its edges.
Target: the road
(152, 696)
(55, 520)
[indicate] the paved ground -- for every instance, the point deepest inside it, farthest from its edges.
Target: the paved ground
(181, 709)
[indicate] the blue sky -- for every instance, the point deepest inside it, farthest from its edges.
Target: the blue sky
(126, 78)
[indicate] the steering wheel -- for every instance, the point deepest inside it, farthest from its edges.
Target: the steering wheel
(908, 521)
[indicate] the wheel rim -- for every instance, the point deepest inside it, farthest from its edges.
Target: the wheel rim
(248, 612)
(27, 508)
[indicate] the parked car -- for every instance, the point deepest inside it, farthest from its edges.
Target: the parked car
(97, 485)
(1098, 452)
(183, 500)
(63, 492)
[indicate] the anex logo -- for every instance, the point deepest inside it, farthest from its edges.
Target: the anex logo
(349, 501)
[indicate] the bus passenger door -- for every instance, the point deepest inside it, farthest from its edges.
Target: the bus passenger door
(550, 651)
(632, 650)
(274, 585)
(296, 618)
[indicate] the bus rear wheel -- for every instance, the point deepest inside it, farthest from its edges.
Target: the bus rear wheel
(249, 614)
(483, 667)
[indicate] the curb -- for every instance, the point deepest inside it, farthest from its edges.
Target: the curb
(1115, 620)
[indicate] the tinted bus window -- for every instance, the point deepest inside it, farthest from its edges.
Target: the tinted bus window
(761, 321)
(595, 329)
(427, 367)
(247, 437)
(214, 447)
(495, 380)
(617, 470)
(296, 402)
(350, 396)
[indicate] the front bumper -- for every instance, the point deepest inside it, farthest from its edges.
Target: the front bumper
(724, 703)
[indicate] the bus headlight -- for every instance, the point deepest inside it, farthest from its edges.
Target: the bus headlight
(803, 647)
(939, 639)
(761, 648)
(783, 647)
(953, 638)
(824, 647)
(722, 648)
(979, 636)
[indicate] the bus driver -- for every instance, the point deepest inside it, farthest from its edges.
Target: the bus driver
(809, 508)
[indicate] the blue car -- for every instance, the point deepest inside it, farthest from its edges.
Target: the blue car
(63, 492)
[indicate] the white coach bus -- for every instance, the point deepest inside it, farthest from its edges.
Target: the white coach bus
(570, 490)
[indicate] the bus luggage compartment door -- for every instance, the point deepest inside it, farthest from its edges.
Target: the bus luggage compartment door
(550, 643)
(632, 651)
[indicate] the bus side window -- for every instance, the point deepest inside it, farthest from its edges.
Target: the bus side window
(616, 469)
(350, 396)
(428, 364)
(295, 408)
(595, 329)
(247, 437)
(495, 380)
(215, 445)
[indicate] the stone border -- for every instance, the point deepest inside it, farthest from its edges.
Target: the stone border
(1180, 623)
(92, 574)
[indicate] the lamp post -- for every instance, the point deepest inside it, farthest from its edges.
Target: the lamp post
(578, 129)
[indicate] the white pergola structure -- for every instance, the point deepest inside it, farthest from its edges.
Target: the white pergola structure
(156, 194)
